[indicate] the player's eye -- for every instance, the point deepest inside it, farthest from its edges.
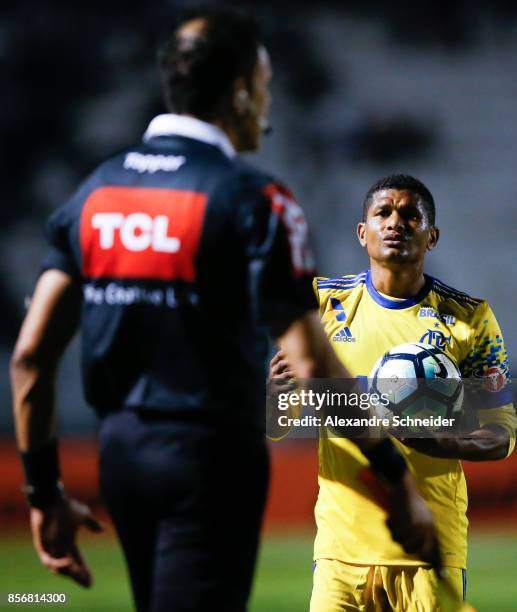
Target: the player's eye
(413, 214)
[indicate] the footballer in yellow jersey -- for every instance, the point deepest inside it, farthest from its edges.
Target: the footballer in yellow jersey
(463, 327)
(358, 564)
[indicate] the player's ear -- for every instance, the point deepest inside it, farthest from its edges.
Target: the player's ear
(434, 235)
(361, 233)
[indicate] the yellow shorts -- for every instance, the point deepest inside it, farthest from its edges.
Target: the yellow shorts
(377, 588)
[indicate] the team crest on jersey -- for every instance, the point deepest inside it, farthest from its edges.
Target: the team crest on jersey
(344, 334)
(494, 378)
(435, 337)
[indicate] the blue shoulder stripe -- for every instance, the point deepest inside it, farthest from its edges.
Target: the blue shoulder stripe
(330, 286)
(342, 282)
(352, 277)
(334, 285)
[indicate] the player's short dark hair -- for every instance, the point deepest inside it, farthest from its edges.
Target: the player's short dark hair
(402, 181)
(198, 72)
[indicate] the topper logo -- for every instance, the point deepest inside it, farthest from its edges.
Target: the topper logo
(137, 231)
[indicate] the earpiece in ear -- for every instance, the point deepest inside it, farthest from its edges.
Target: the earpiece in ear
(242, 100)
(245, 105)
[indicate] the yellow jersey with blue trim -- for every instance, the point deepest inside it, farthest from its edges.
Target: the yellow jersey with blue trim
(362, 324)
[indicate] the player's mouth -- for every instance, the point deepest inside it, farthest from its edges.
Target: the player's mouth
(394, 240)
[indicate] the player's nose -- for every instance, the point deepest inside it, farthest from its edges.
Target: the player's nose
(395, 221)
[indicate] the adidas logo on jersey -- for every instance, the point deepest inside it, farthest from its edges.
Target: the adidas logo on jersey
(343, 335)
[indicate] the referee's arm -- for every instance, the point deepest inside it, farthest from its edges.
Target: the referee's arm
(51, 322)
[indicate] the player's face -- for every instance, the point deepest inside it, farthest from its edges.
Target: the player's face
(397, 228)
(255, 109)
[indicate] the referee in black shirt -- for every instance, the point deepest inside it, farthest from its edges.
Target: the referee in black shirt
(175, 259)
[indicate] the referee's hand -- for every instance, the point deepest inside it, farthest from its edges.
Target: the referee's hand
(54, 532)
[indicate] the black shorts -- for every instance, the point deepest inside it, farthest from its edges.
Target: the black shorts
(187, 503)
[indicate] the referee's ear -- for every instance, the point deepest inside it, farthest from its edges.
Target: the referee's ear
(434, 236)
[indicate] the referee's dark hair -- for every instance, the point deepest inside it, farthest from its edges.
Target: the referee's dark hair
(200, 63)
(402, 181)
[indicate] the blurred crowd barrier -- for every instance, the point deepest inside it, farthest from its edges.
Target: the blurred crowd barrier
(492, 485)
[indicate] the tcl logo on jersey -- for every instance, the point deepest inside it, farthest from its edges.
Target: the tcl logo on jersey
(138, 231)
(292, 215)
(134, 232)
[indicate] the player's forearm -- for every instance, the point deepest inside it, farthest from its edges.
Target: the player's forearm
(486, 444)
(489, 443)
(33, 401)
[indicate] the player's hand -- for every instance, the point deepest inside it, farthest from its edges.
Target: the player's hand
(281, 376)
(412, 523)
(54, 532)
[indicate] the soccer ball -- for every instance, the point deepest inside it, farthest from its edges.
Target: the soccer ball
(421, 382)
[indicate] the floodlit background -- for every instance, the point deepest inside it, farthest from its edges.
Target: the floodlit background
(426, 88)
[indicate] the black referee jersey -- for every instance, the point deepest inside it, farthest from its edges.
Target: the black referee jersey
(186, 257)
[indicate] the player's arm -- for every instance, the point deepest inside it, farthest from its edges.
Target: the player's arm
(281, 383)
(494, 438)
(485, 444)
(502, 421)
(49, 325)
(489, 443)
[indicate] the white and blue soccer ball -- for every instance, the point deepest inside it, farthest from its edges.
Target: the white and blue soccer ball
(418, 381)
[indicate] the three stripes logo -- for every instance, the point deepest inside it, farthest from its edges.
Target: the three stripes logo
(344, 334)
